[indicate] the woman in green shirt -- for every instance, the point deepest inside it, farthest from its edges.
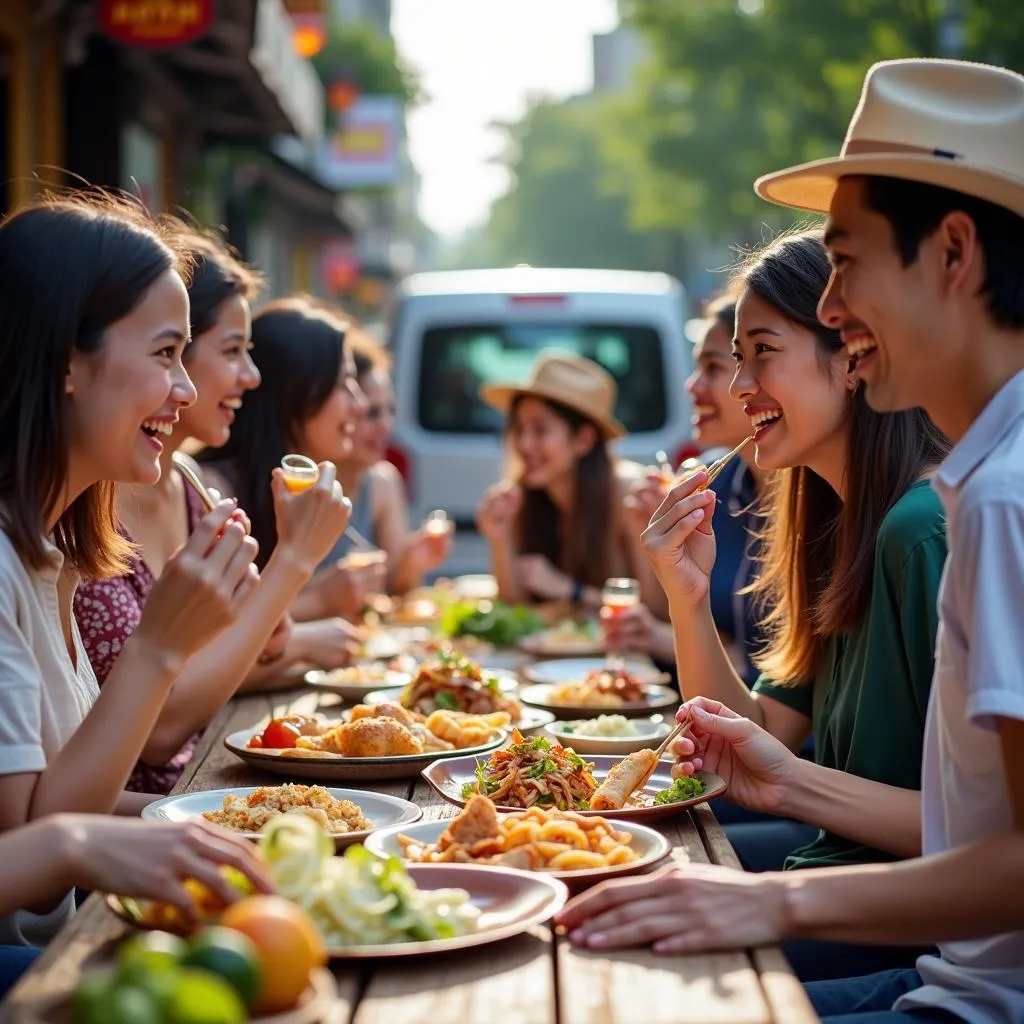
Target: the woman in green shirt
(852, 557)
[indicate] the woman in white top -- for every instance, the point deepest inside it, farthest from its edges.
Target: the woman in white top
(94, 317)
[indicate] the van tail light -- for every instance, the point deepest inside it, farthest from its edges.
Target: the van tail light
(688, 451)
(400, 460)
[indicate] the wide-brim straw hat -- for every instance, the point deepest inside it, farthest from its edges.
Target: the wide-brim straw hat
(572, 381)
(942, 122)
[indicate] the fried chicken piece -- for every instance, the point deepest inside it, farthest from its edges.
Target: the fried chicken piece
(367, 737)
(478, 820)
(386, 710)
(308, 725)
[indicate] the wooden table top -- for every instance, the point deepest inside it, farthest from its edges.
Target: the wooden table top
(536, 978)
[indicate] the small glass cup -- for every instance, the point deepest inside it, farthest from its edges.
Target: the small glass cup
(437, 523)
(618, 595)
(300, 473)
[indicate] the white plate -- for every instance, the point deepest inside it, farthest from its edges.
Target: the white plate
(650, 847)
(342, 769)
(382, 810)
(449, 776)
(479, 587)
(565, 669)
(658, 698)
(334, 682)
(546, 645)
(649, 733)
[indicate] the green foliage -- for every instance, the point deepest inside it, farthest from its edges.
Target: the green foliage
(357, 53)
(565, 207)
(727, 96)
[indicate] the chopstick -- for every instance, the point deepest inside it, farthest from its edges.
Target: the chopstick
(680, 730)
(198, 486)
(718, 465)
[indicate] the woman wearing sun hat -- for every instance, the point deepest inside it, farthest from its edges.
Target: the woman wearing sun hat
(555, 524)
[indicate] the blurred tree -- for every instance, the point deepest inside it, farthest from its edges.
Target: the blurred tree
(563, 207)
(735, 88)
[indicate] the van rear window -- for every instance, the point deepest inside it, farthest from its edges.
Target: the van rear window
(456, 361)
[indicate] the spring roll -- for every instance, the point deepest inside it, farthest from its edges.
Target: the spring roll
(623, 780)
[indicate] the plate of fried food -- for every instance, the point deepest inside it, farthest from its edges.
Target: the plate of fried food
(346, 815)
(582, 686)
(355, 681)
(380, 741)
(538, 772)
(579, 849)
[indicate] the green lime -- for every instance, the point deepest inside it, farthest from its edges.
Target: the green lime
(114, 1003)
(203, 998)
(148, 952)
(229, 954)
(92, 996)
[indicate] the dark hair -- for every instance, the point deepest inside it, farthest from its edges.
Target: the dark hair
(914, 211)
(582, 548)
(71, 267)
(817, 552)
(368, 355)
(298, 344)
(218, 274)
(721, 308)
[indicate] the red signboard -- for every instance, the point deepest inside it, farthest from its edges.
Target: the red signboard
(156, 23)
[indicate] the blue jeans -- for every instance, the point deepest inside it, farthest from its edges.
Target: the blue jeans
(14, 962)
(869, 1000)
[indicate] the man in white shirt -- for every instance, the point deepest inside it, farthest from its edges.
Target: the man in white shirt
(926, 235)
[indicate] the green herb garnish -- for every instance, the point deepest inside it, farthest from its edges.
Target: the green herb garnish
(685, 788)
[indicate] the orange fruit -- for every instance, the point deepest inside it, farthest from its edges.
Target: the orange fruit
(289, 944)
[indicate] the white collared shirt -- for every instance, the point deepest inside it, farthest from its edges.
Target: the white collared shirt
(44, 696)
(979, 677)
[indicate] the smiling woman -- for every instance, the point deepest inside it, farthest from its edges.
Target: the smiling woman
(93, 322)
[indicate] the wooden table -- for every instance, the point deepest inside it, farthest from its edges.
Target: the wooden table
(537, 978)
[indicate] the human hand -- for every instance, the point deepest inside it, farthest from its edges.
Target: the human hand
(310, 522)
(541, 580)
(759, 769)
(426, 550)
(681, 909)
(643, 498)
(153, 858)
(680, 542)
(326, 643)
(202, 588)
(496, 514)
(277, 642)
(629, 629)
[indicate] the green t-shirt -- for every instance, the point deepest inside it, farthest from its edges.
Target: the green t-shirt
(870, 693)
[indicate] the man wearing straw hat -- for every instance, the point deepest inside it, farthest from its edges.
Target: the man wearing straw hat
(926, 234)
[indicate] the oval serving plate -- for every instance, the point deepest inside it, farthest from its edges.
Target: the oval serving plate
(548, 644)
(383, 811)
(356, 682)
(650, 732)
(659, 698)
(447, 778)
(651, 848)
(510, 902)
(340, 769)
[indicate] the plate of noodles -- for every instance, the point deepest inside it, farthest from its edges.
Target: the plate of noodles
(346, 815)
(536, 771)
(579, 849)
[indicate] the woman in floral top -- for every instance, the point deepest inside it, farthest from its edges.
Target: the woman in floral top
(160, 518)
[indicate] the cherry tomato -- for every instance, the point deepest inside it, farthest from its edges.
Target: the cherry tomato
(255, 741)
(280, 733)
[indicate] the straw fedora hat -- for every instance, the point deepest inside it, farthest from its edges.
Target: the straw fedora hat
(570, 380)
(942, 122)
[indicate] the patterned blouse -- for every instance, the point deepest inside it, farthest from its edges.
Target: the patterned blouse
(108, 612)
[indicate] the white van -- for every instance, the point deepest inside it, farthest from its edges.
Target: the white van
(452, 332)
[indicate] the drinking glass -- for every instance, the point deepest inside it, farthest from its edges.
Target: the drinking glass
(618, 595)
(300, 473)
(437, 522)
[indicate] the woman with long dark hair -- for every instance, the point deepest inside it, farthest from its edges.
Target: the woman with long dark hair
(556, 528)
(853, 551)
(307, 404)
(93, 324)
(160, 517)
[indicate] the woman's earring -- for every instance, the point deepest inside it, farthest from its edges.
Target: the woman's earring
(853, 383)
